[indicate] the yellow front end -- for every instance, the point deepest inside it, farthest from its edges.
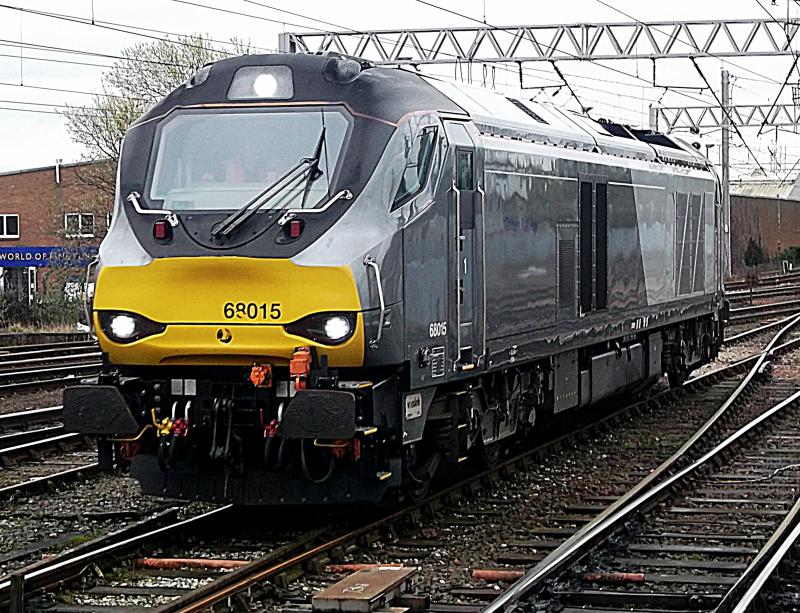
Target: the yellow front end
(199, 300)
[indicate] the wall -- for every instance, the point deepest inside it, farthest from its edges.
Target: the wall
(772, 223)
(41, 203)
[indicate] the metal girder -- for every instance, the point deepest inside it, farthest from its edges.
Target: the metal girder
(743, 115)
(608, 41)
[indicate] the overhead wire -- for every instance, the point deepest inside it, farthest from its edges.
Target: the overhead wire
(500, 65)
(697, 67)
(112, 26)
(55, 60)
(345, 28)
(70, 91)
(5, 42)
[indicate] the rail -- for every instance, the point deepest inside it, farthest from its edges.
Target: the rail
(657, 482)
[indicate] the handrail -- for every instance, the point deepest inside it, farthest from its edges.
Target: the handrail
(457, 259)
(86, 310)
(369, 262)
(483, 269)
(292, 213)
(133, 198)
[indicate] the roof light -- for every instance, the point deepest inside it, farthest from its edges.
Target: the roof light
(262, 82)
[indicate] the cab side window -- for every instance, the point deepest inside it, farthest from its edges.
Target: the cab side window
(464, 167)
(418, 163)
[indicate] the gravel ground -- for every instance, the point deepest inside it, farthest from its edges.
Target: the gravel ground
(32, 525)
(30, 399)
(47, 465)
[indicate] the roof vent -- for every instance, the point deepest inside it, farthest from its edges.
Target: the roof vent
(341, 70)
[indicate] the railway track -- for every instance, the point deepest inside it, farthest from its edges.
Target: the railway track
(25, 366)
(30, 417)
(264, 580)
(686, 536)
(750, 333)
(19, 442)
(771, 582)
(760, 311)
(737, 297)
(764, 280)
(689, 539)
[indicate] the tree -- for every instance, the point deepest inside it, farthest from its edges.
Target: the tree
(147, 73)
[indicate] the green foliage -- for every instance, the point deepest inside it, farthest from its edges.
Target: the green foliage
(790, 253)
(47, 310)
(53, 307)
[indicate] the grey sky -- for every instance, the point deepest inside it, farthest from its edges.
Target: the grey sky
(29, 139)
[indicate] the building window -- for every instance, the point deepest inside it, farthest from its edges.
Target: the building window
(9, 226)
(79, 225)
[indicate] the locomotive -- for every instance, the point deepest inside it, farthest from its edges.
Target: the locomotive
(325, 280)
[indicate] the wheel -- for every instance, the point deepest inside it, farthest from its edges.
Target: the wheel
(419, 470)
(417, 491)
(487, 456)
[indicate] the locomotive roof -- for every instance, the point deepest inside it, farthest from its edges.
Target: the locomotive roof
(547, 123)
(390, 93)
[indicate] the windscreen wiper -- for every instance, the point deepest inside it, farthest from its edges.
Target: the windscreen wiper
(290, 177)
(314, 172)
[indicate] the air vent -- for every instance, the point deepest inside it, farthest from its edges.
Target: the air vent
(567, 269)
(526, 110)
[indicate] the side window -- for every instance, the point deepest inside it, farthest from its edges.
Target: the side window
(464, 179)
(418, 163)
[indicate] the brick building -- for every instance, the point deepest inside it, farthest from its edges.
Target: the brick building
(51, 221)
(765, 219)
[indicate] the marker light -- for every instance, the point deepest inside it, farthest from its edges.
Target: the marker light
(325, 328)
(295, 228)
(162, 231)
(123, 327)
(262, 82)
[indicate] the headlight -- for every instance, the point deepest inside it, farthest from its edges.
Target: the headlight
(262, 82)
(123, 327)
(337, 327)
(325, 328)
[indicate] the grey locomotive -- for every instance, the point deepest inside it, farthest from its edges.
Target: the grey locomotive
(325, 280)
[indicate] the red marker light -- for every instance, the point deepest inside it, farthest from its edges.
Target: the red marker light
(295, 228)
(161, 230)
